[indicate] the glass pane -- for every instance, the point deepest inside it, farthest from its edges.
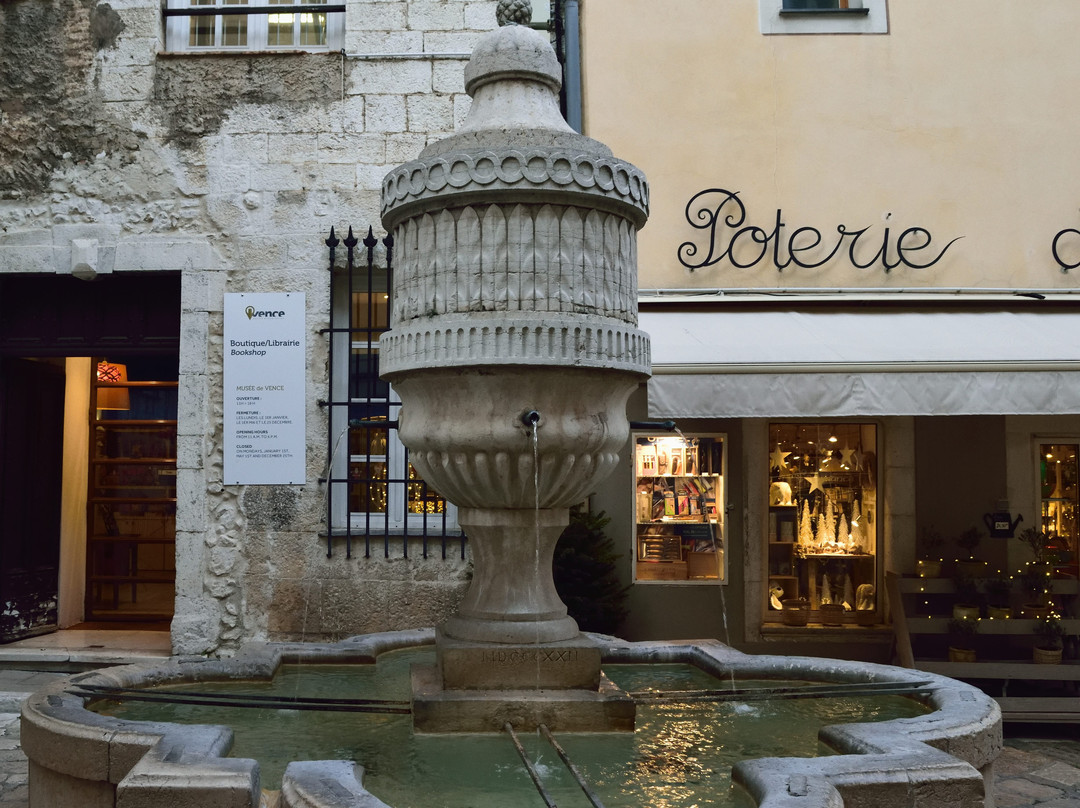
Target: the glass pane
(279, 31)
(367, 487)
(313, 29)
(201, 29)
(370, 310)
(364, 381)
(1059, 491)
(368, 441)
(421, 498)
(822, 525)
(234, 27)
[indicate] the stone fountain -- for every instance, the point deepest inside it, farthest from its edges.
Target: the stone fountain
(514, 348)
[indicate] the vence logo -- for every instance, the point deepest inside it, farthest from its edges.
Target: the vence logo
(251, 313)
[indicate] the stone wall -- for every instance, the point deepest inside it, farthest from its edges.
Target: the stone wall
(230, 169)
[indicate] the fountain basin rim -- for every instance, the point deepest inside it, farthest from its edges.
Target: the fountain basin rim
(960, 738)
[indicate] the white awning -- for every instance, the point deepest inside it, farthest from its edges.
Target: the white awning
(829, 363)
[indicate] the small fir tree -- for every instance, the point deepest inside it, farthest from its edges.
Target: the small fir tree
(585, 573)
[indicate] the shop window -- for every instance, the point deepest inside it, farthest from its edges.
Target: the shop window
(1058, 477)
(679, 509)
(823, 17)
(375, 495)
(823, 536)
(196, 25)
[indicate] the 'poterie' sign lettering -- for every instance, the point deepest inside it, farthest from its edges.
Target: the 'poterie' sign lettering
(264, 373)
(722, 217)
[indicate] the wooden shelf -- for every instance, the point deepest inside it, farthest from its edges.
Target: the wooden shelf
(1015, 626)
(1067, 671)
(944, 586)
(1013, 708)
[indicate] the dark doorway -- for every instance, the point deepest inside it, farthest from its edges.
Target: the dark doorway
(130, 508)
(31, 452)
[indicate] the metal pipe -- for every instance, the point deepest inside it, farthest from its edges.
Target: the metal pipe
(530, 418)
(589, 793)
(833, 689)
(357, 423)
(533, 773)
(572, 65)
(654, 426)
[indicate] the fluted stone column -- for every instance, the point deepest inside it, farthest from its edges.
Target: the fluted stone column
(515, 292)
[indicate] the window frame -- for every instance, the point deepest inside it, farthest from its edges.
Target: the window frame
(1042, 502)
(257, 19)
(348, 399)
(861, 17)
(770, 618)
(722, 526)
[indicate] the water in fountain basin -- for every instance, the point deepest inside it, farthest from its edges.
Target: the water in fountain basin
(680, 754)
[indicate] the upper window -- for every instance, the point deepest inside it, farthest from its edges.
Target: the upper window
(823, 16)
(196, 25)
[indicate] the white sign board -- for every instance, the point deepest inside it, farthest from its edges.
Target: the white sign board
(265, 380)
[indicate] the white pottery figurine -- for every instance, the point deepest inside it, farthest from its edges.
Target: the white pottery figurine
(780, 494)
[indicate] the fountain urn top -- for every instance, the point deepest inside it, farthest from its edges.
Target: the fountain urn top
(515, 237)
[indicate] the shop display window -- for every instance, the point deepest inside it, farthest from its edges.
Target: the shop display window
(1058, 476)
(679, 509)
(822, 524)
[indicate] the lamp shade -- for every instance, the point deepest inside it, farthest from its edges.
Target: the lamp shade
(112, 398)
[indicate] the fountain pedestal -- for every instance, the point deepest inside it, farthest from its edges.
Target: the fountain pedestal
(514, 348)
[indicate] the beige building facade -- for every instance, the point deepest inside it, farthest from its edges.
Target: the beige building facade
(863, 229)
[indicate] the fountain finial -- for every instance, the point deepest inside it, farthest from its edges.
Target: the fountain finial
(513, 12)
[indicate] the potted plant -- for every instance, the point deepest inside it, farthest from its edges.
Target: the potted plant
(966, 604)
(962, 631)
(968, 541)
(997, 598)
(928, 546)
(1049, 640)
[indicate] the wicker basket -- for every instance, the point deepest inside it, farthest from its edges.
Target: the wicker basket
(866, 617)
(1046, 656)
(961, 654)
(832, 614)
(796, 612)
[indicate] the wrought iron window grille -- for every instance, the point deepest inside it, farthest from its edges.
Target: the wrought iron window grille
(372, 493)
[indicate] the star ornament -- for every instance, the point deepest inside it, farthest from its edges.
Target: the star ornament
(815, 482)
(778, 458)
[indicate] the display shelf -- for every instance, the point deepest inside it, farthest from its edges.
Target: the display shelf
(1015, 626)
(822, 522)
(998, 641)
(678, 509)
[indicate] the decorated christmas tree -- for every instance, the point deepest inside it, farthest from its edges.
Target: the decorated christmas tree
(806, 529)
(823, 529)
(843, 535)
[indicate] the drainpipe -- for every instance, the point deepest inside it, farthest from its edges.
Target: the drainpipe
(572, 66)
